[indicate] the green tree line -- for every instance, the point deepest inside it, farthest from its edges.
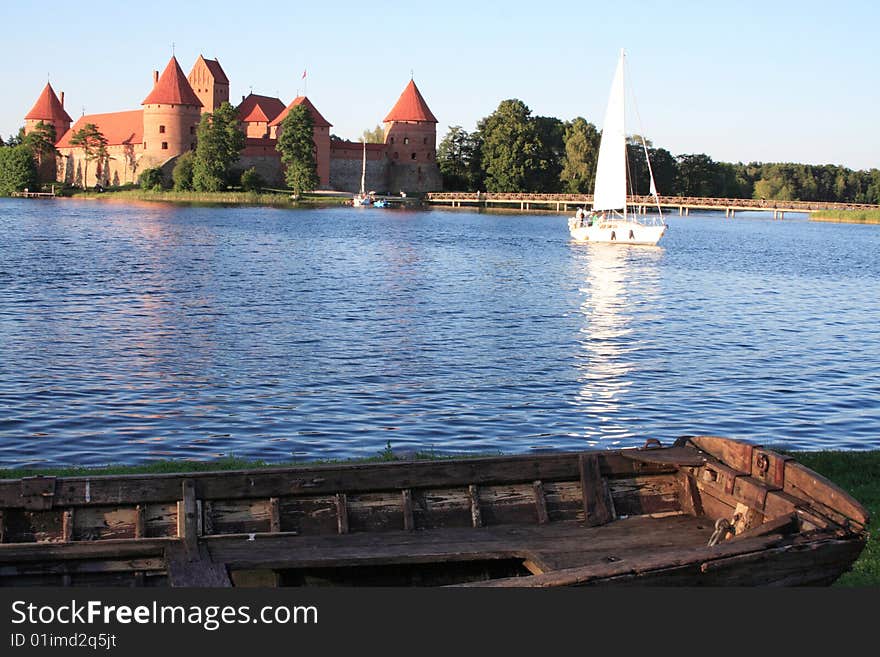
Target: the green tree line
(512, 150)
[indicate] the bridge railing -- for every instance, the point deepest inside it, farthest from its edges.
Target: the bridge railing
(668, 201)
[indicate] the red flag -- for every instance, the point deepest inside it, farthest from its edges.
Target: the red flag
(304, 74)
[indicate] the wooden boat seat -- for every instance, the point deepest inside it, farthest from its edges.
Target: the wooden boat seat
(540, 548)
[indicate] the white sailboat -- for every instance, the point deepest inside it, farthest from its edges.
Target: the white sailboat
(363, 199)
(610, 221)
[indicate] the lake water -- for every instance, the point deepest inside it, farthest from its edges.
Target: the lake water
(138, 332)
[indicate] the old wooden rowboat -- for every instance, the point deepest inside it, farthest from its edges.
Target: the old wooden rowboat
(705, 511)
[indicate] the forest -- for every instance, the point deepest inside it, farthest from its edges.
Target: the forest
(512, 150)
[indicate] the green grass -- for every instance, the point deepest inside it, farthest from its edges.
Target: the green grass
(856, 472)
(275, 198)
(848, 216)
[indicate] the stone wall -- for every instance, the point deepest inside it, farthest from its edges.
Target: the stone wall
(415, 178)
(345, 174)
(268, 166)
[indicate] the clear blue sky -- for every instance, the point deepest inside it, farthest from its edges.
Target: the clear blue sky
(741, 81)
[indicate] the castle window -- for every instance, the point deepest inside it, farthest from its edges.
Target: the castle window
(425, 140)
(162, 129)
(392, 140)
(192, 130)
(165, 147)
(406, 140)
(413, 156)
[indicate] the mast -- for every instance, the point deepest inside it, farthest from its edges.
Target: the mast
(364, 168)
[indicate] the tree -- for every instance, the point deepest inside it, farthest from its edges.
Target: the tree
(152, 179)
(581, 153)
(510, 146)
(93, 144)
(182, 174)
(220, 142)
(697, 176)
(296, 144)
(453, 158)
(18, 170)
(544, 175)
(41, 140)
(251, 180)
(374, 136)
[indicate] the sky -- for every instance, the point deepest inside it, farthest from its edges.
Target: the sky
(739, 81)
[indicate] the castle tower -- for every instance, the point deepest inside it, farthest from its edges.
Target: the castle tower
(320, 130)
(50, 111)
(209, 82)
(411, 142)
(171, 114)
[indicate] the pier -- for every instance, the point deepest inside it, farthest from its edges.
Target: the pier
(29, 194)
(563, 203)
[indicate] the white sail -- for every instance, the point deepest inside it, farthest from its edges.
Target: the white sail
(610, 191)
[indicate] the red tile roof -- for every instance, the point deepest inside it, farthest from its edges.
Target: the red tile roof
(411, 107)
(319, 120)
(216, 70)
(172, 88)
(259, 108)
(48, 107)
(118, 127)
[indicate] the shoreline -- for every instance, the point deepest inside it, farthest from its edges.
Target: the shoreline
(269, 198)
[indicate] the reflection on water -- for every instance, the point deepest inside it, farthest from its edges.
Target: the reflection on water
(618, 283)
(135, 332)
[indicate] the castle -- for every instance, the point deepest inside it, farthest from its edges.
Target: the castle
(165, 128)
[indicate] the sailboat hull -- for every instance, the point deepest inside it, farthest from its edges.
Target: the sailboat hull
(616, 232)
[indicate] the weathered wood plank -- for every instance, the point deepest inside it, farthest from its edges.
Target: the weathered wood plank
(274, 515)
(735, 454)
(187, 522)
(94, 523)
(786, 524)
(309, 515)
(374, 512)
(186, 569)
(110, 549)
(406, 500)
(454, 544)
(73, 566)
(2, 526)
(341, 513)
(540, 502)
(688, 494)
(802, 482)
(67, 525)
(140, 521)
(326, 480)
(596, 507)
(476, 514)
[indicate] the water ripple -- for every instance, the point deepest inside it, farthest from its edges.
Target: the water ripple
(131, 333)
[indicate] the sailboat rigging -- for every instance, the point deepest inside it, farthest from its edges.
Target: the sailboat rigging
(363, 198)
(609, 220)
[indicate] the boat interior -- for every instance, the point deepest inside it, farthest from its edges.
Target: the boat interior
(698, 509)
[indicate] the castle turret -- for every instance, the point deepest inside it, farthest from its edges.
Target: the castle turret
(50, 111)
(172, 112)
(411, 140)
(209, 82)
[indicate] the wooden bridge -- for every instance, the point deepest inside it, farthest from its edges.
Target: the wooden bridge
(684, 204)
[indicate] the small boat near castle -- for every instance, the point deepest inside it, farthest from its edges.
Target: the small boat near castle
(703, 511)
(610, 221)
